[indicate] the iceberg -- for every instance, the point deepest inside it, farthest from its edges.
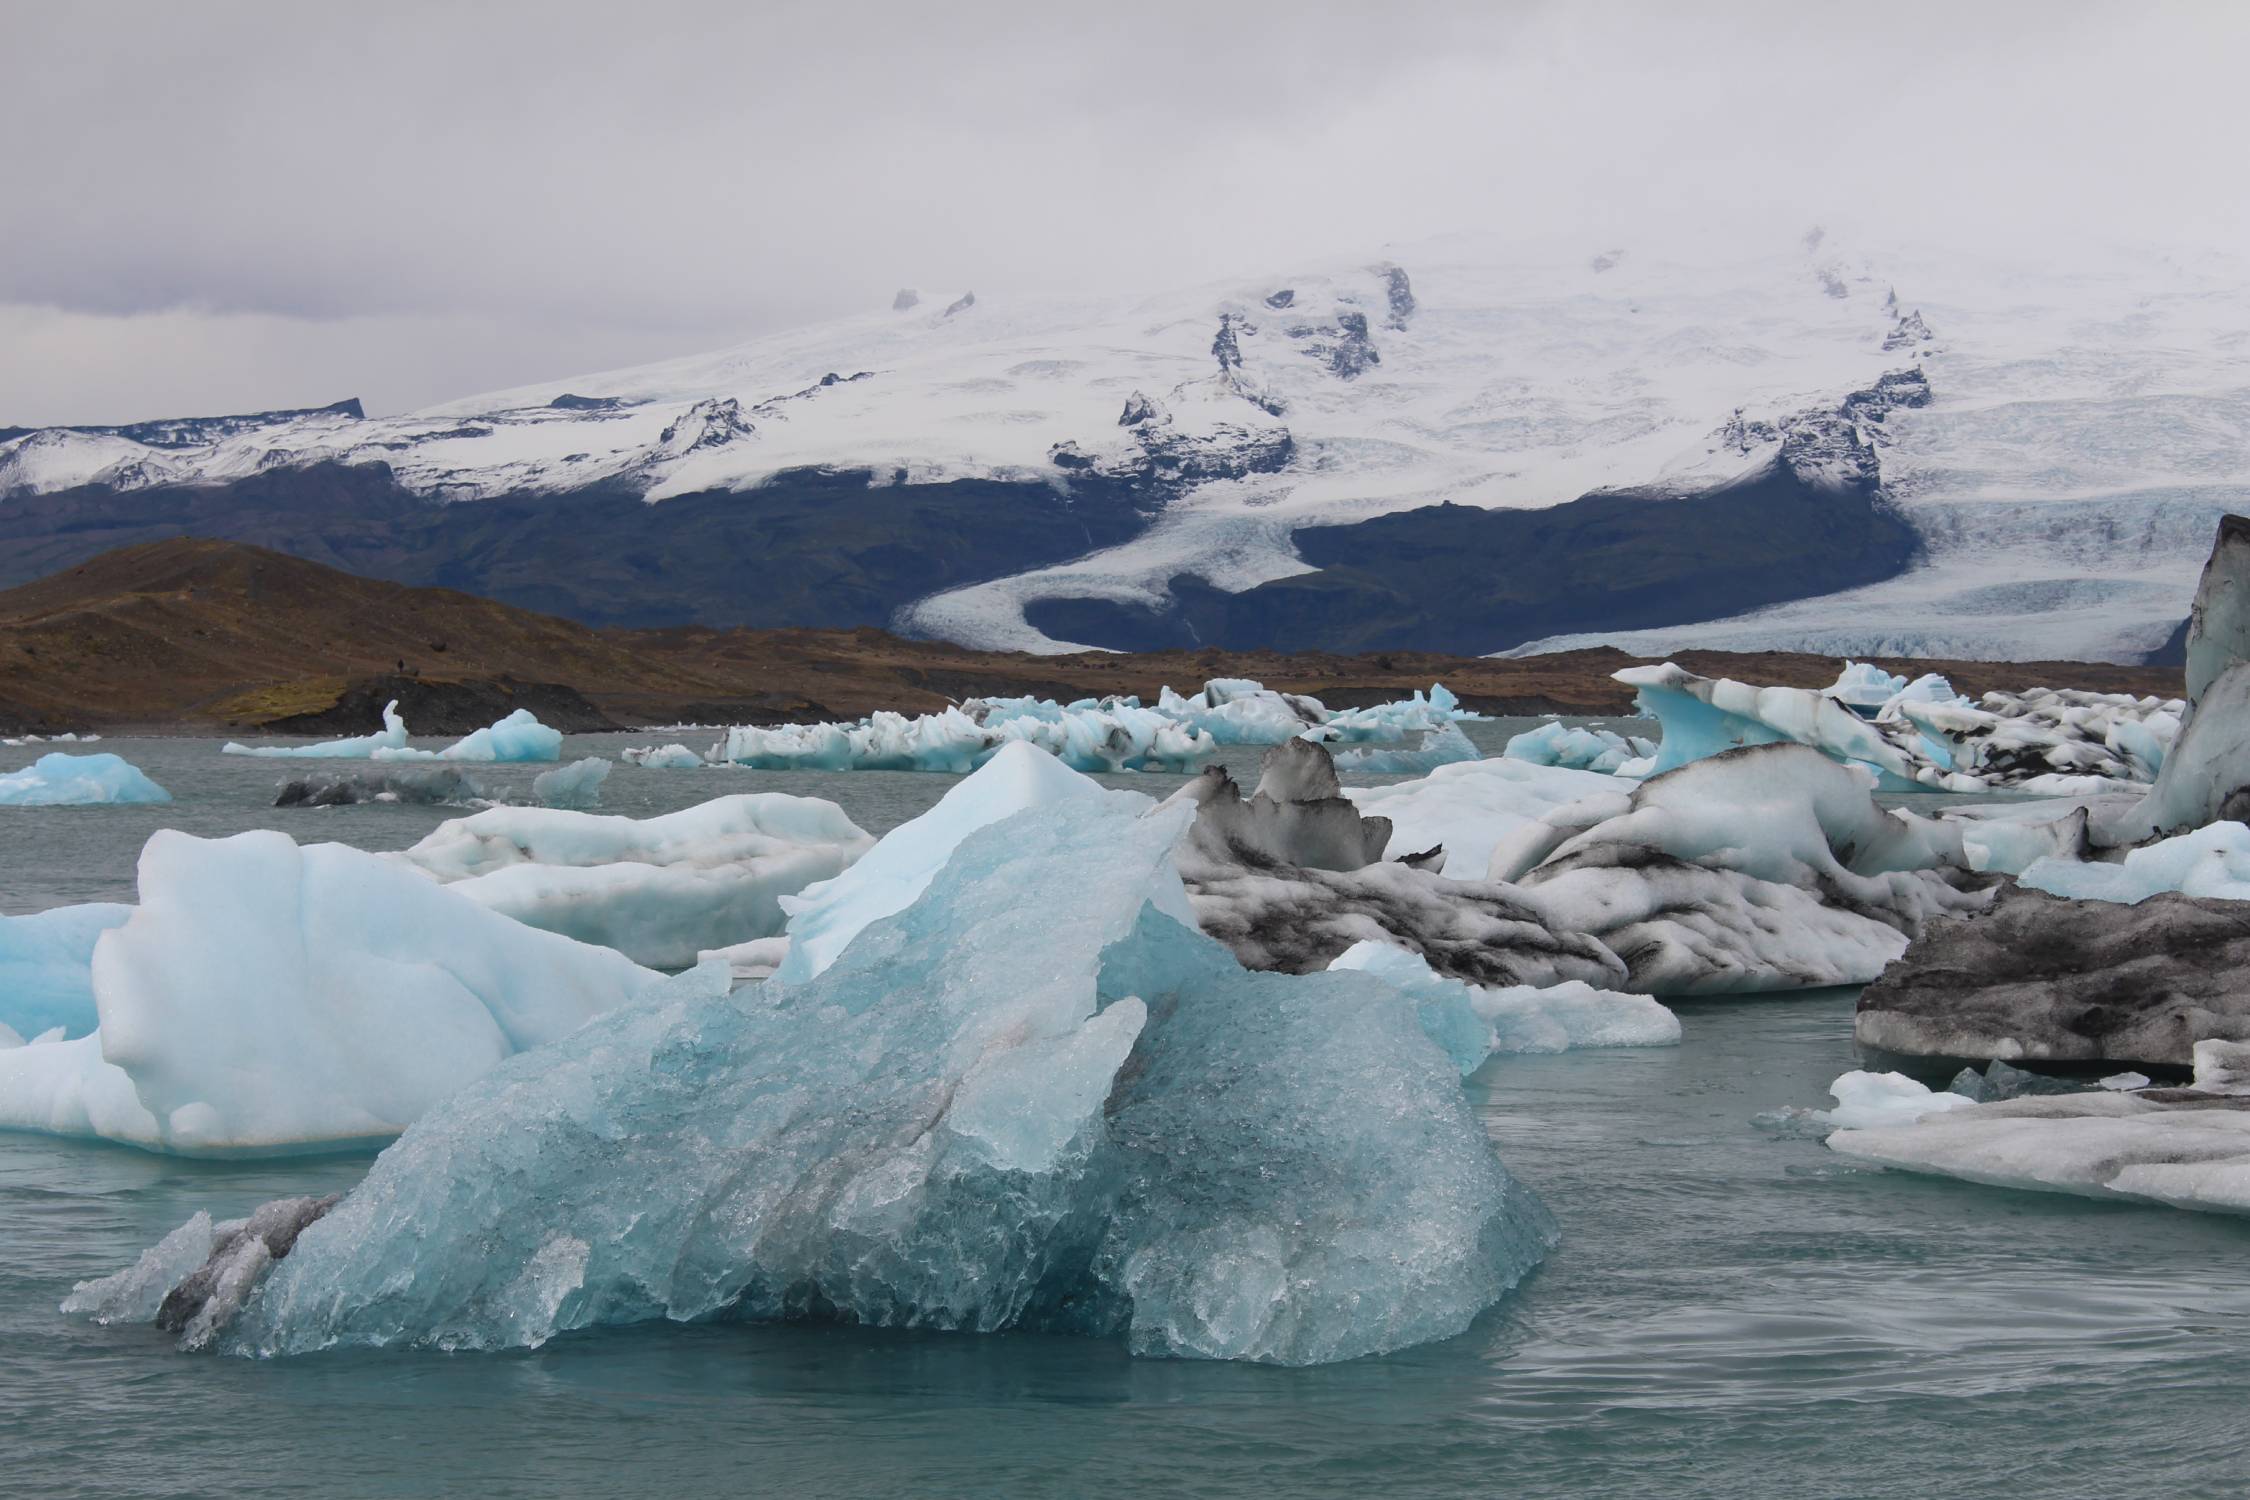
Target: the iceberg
(1389, 723)
(1438, 747)
(1237, 711)
(1120, 737)
(392, 736)
(433, 787)
(1027, 1100)
(1475, 1024)
(2183, 1147)
(1559, 744)
(517, 738)
(59, 779)
(1764, 868)
(665, 758)
(269, 998)
(2048, 740)
(1292, 876)
(659, 890)
(2213, 861)
(577, 785)
(2046, 978)
(1467, 808)
(47, 967)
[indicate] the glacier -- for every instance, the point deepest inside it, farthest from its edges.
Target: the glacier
(660, 890)
(267, 998)
(60, 779)
(1025, 1100)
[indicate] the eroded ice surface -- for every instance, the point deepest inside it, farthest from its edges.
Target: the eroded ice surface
(1576, 748)
(46, 967)
(2212, 861)
(518, 737)
(577, 786)
(392, 736)
(660, 890)
(1467, 808)
(266, 997)
(60, 779)
(1027, 1100)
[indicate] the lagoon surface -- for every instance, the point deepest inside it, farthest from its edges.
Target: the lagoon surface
(1732, 1311)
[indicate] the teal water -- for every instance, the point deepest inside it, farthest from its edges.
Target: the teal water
(1732, 1312)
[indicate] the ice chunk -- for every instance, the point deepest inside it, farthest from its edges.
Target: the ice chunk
(1474, 1024)
(826, 916)
(2186, 1148)
(665, 758)
(1028, 1100)
(1865, 1100)
(1292, 876)
(1437, 747)
(1764, 868)
(1558, 744)
(2041, 977)
(435, 786)
(392, 736)
(659, 890)
(47, 967)
(1236, 711)
(265, 997)
(2213, 861)
(1390, 723)
(134, 1294)
(577, 785)
(59, 779)
(1119, 737)
(518, 737)
(1467, 808)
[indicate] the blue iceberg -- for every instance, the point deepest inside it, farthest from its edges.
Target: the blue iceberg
(57, 779)
(47, 968)
(1027, 1100)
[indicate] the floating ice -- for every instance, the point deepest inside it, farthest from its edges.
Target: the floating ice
(577, 785)
(1764, 868)
(270, 998)
(1028, 1100)
(58, 779)
(2189, 1148)
(2212, 861)
(1388, 723)
(2048, 739)
(1120, 737)
(518, 737)
(1474, 1024)
(826, 916)
(1236, 711)
(432, 787)
(665, 758)
(1467, 808)
(1292, 876)
(659, 890)
(1438, 747)
(392, 736)
(47, 967)
(1559, 744)
(1865, 1100)
(2041, 977)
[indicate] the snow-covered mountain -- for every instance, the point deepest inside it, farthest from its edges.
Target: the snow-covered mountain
(2057, 441)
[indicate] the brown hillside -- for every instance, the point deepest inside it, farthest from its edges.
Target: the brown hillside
(192, 634)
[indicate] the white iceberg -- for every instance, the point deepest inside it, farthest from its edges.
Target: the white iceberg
(1120, 737)
(660, 890)
(1445, 746)
(1389, 723)
(268, 998)
(664, 758)
(2212, 861)
(1029, 1100)
(1469, 807)
(519, 737)
(58, 779)
(1475, 1023)
(392, 736)
(2188, 1148)
(577, 785)
(1237, 711)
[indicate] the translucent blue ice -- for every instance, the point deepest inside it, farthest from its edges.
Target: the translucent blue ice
(59, 779)
(1027, 1100)
(47, 967)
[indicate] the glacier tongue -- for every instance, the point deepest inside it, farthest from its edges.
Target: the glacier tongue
(1027, 1100)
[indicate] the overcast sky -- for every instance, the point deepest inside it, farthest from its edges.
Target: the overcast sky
(210, 207)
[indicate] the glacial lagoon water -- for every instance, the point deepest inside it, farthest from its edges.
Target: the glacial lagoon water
(1733, 1312)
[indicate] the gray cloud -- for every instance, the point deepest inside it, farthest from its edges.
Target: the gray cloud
(238, 204)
